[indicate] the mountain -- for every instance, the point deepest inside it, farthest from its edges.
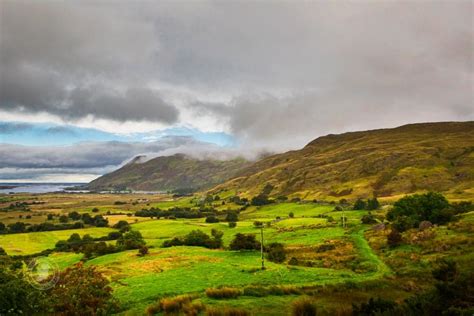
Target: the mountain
(384, 162)
(168, 173)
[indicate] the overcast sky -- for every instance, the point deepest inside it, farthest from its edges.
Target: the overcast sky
(85, 85)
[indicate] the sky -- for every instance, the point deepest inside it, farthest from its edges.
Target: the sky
(87, 85)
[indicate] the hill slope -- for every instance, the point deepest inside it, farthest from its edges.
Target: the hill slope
(168, 173)
(385, 162)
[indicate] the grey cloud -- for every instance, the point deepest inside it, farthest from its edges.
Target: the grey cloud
(293, 70)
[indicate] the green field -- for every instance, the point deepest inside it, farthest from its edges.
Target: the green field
(358, 260)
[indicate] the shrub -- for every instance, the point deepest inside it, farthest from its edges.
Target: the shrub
(394, 238)
(95, 210)
(260, 200)
(373, 204)
(142, 251)
(18, 297)
(232, 224)
(121, 225)
(378, 306)
(175, 305)
(303, 307)
(244, 242)
(212, 219)
(197, 238)
(226, 311)
(409, 211)
(276, 252)
(81, 290)
(291, 215)
(293, 261)
(231, 217)
(223, 292)
(368, 219)
(131, 240)
(359, 205)
(75, 216)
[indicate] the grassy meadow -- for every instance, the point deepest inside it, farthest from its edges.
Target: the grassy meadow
(355, 266)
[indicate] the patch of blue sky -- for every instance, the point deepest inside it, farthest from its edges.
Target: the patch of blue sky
(45, 134)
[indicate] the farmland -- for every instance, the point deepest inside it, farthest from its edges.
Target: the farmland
(353, 259)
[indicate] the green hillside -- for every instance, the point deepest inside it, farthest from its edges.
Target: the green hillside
(169, 173)
(385, 163)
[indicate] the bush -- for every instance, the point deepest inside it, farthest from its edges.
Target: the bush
(409, 211)
(303, 307)
(244, 242)
(81, 290)
(231, 217)
(378, 306)
(122, 225)
(293, 261)
(373, 204)
(291, 215)
(197, 238)
(368, 219)
(226, 311)
(394, 238)
(142, 251)
(223, 292)
(18, 297)
(276, 252)
(232, 224)
(212, 219)
(131, 240)
(359, 205)
(260, 200)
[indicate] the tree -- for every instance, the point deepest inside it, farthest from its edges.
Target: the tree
(394, 238)
(75, 216)
(359, 205)
(81, 290)
(63, 219)
(244, 242)
(291, 215)
(409, 211)
(212, 219)
(122, 225)
(2, 252)
(260, 200)
(373, 204)
(131, 240)
(17, 227)
(231, 216)
(18, 296)
(232, 224)
(276, 252)
(3, 228)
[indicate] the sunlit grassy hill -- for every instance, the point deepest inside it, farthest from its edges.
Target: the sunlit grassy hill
(169, 173)
(385, 162)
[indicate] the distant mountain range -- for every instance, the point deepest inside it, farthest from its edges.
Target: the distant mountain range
(384, 162)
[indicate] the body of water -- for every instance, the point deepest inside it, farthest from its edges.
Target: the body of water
(7, 188)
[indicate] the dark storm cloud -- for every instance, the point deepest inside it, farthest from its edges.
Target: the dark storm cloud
(292, 70)
(76, 60)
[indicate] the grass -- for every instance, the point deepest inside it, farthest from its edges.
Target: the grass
(167, 273)
(29, 243)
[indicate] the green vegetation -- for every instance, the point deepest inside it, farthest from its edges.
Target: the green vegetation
(312, 264)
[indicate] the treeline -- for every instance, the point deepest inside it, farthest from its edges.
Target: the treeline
(177, 212)
(79, 221)
(410, 211)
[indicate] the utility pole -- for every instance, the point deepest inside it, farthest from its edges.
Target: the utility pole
(343, 219)
(261, 247)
